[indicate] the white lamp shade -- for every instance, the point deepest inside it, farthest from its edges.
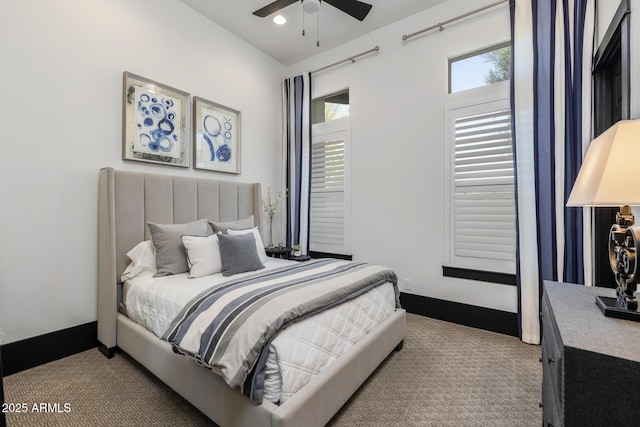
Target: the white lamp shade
(610, 172)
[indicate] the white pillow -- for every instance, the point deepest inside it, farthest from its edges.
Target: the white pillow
(143, 261)
(203, 255)
(256, 235)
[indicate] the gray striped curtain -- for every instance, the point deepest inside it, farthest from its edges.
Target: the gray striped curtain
(296, 103)
(551, 96)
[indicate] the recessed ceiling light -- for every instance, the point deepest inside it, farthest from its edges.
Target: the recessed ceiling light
(279, 19)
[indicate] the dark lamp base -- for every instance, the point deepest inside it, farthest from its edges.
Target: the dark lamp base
(612, 308)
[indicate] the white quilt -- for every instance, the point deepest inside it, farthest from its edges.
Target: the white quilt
(297, 354)
(302, 350)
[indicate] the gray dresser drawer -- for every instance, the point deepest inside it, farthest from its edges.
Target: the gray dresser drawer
(550, 414)
(552, 355)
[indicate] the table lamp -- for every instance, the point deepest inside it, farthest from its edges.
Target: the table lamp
(610, 176)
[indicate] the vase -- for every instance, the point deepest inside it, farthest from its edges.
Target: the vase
(270, 231)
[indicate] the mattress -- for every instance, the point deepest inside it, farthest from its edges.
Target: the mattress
(297, 354)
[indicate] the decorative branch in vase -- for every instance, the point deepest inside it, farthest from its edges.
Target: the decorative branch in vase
(270, 207)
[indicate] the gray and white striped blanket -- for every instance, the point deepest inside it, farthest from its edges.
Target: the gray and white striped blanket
(228, 328)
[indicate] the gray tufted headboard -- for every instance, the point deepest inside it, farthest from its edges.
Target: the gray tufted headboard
(127, 200)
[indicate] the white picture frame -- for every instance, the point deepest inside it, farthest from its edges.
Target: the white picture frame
(216, 137)
(155, 122)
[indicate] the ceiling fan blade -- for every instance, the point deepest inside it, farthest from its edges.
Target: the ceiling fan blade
(273, 7)
(355, 8)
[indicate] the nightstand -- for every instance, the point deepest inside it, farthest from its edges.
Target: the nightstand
(591, 363)
(278, 252)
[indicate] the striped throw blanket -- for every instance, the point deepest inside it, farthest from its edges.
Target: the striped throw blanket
(228, 328)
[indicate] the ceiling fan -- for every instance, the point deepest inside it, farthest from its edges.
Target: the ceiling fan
(355, 8)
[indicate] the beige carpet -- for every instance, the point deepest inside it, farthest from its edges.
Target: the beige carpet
(446, 375)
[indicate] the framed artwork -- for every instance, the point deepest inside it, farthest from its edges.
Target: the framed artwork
(216, 137)
(155, 120)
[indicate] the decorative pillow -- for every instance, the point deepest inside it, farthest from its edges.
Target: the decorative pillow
(238, 254)
(256, 236)
(170, 254)
(241, 224)
(143, 260)
(203, 255)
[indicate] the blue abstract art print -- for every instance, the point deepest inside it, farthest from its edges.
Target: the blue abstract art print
(156, 119)
(216, 137)
(155, 122)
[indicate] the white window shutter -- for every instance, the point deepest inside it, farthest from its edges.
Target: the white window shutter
(329, 208)
(482, 211)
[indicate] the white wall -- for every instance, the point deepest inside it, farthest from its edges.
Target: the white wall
(62, 65)
(605, 11)
(397, 100)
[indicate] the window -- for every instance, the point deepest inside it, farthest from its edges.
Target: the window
(330, 213)
(330, 107)
(330, 209)
(481, 205)
(480, 68)
(480, 237)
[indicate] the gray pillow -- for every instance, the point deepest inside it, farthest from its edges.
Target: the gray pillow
(240, 224)
(238, 254)
(171, 257)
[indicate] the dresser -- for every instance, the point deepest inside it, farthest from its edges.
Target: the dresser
(591, 363)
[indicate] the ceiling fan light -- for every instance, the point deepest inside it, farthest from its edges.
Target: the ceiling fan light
(311, 6)
(279, 19)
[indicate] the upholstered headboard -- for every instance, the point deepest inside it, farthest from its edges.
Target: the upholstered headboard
(127, 200)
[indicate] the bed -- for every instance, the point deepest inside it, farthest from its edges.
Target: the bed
(127, 201)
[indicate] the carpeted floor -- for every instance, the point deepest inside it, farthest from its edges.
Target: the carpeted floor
(446, 375)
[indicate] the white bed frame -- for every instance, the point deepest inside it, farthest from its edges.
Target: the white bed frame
(127, 200)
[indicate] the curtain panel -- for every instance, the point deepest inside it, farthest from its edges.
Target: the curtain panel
(552, 46)
(296, 105)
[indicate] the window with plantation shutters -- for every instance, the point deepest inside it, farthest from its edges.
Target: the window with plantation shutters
(481, 201)
(329, 214)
